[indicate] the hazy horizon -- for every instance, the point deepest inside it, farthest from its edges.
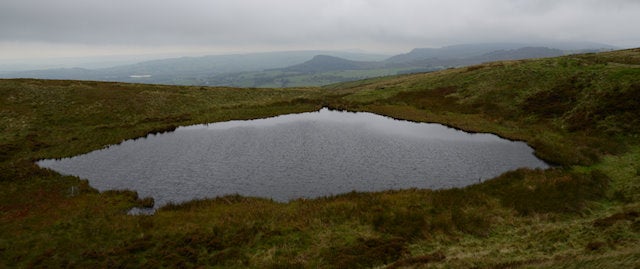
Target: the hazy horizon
(33, 31)
(108, 61)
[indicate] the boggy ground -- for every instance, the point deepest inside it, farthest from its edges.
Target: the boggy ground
(579, 112)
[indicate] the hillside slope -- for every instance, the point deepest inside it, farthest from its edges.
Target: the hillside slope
(588, 95)
(580, 112)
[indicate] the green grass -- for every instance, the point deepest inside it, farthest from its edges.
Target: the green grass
(278, 79)
(579, 112)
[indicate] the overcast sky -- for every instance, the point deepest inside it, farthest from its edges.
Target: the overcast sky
(67, 28)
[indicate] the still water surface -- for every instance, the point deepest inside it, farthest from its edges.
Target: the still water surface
(297, 156)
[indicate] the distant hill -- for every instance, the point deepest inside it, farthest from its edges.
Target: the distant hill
(448, 56)
(326, 63)
(306, 68)
(220, 64)
(497, 55)
(521, 53)
(451, 52)
(189, 70)
(466, 51)
(324, 69)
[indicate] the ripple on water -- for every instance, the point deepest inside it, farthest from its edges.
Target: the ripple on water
(293, 156)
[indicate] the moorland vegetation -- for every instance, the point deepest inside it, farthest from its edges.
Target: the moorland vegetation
(580, 113)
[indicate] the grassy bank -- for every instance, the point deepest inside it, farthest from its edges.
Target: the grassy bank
(579, 112)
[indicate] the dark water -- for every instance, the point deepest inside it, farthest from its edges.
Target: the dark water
(299, 155)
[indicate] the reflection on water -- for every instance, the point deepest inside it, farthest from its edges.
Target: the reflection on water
(299, 155)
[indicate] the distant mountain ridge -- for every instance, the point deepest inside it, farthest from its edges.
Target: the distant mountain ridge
(521, 53)
(422, 58)
(306, 68)
(451, 52)
(185, 70)
(418, 59)
(476, 50)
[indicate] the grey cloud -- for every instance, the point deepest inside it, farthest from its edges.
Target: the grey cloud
(315, 23)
